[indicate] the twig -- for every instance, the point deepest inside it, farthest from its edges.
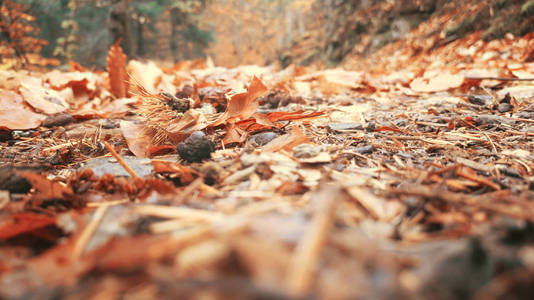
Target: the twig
(497, 78)
(121, 161)
(305, 259)
(165, 211)
(89, 231)
(490, 142)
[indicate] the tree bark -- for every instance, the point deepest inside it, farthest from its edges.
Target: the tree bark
(176, 21)
(118, 25)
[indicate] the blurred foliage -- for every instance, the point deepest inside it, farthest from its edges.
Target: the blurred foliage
(19, 44)
(78, 29)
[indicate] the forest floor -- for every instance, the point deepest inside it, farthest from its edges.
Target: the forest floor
(256, 183)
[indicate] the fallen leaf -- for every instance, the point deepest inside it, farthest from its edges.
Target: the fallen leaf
(287, 141)
(243, 105)
(116, 67)
(138, 141)
(42, 99)
(19, 223)
(81, 83)
(14, 113)
(47, 189)
(436, 82)
(147, 75)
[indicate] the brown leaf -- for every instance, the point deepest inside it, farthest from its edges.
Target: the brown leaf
(15, 115)
(287, 141)
(42, 99)
(436, 82)
(116, 67)
(136, 138)
(243, 105)
(234, 134)
(47, 189)
(81, 83)
(20, 223)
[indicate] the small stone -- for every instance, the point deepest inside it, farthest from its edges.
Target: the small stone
(13, 182)
(196, 148)
(263, 138)
(504, 107)
(365, 149)
(306, 151)
(344, 126)
(57, 120)
(479, 99)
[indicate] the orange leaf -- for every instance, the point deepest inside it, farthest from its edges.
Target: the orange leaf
(20, 223)
(287, 141)
(116, 67)
(42, 99)
(15, 115)
(47, 189)
(437, 82)
(242, 106)
(234, 134)
(136, 138)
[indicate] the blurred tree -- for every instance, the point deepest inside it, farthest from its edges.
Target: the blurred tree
(118, 24)
(18, 34)
(169, 29)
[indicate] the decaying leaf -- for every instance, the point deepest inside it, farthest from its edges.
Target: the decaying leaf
(287, 141)
(15, 114)
(116, 67)
(138, 140)
(42, 99)
(436, 82)
(243, 105)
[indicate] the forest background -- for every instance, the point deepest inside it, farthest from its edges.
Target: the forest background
(234, 33)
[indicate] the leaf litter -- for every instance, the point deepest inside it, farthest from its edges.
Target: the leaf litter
(256, 183)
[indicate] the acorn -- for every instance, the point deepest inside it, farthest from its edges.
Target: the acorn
(196, 148)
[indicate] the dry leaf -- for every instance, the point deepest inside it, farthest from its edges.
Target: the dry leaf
(287, 141)
(138, 141)
(243, 105)
(116, 67)
(47, 189)
(21, 223)
(436, 82)
(42, 99)
(15, 115)
(147, 75)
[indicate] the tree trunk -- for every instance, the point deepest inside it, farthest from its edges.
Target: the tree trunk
(118, 25)
(176, 21)
(140, 39)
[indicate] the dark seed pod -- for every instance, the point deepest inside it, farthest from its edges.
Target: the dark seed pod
(196, 148)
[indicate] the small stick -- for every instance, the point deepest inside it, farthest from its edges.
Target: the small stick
(303, 265)
(88, 231)
(491, 142)
(121, 161)
(497, 78)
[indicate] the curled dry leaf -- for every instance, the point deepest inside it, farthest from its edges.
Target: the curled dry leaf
(47, 189)
(81, 83)
(243, 105)
(116, 67)
(42, 99)
(20, 223)
(287, 141)
(437, 82)
(15, 115)
(138, 141)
